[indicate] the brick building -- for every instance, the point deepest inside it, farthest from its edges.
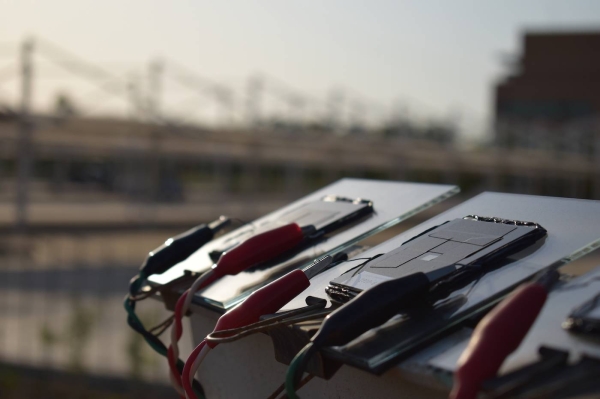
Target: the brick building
(552, 96)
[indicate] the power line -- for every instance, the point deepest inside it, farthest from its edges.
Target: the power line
(192, 81)
(71, 62)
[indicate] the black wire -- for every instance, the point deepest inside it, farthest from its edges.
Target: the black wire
(152, 291)
(162, 327)
(362, 265)
(145, 294)
(224, 336)
(281, 388)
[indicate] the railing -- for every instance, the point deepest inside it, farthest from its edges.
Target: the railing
(61, 298)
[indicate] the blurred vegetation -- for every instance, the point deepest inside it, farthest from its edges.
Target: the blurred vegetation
(141, 358)
(75, 336)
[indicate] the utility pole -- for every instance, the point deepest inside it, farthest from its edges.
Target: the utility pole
(335, 105)
(154, 118)
(135, 98)
(24, 147)
(253, 101)
(358, 117)
(225, 98)
(295, 112)
(155, 77)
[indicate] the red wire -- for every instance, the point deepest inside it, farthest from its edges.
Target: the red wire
(178, 314)
(187, 369)
(173, 367)
(178, 326)
(254, 250)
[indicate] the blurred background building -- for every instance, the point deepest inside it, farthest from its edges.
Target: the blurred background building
(98, 166)
(551, 99)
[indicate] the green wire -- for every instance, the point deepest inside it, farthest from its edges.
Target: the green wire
(294, 372)
(134, 321)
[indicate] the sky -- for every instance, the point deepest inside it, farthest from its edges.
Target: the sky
(441, 57)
